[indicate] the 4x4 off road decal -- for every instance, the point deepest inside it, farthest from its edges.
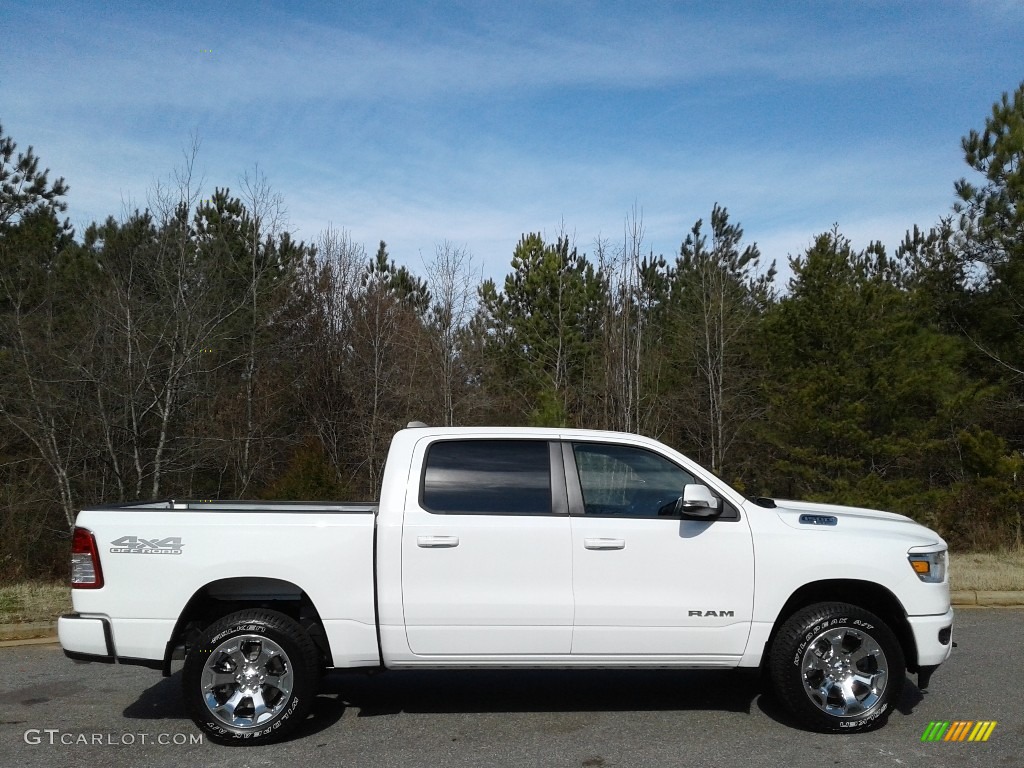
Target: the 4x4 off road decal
(958, 730)
(133, 545)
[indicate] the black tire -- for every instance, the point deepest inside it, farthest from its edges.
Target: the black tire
(247, 662)
(837, 668)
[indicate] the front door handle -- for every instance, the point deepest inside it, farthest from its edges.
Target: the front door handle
(436, 542)
(604, 543)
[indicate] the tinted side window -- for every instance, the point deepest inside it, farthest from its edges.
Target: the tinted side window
(627, 481)
(488, 477)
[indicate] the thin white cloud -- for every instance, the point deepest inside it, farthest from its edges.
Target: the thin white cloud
(127, 65)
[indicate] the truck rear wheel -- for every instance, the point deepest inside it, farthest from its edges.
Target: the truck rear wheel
(837, 668)
(251, 678)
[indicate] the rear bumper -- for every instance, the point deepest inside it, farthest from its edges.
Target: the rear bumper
(90, 638)
(86, 637)
(933, 637)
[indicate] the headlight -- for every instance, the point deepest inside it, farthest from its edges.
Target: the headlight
(929, 566)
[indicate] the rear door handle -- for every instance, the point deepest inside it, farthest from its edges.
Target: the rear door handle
(604, 543)
(436, 542)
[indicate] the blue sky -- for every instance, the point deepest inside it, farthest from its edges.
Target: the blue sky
(421, 122)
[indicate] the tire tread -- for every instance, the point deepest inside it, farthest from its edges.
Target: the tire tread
(789, 689)
(307, 664)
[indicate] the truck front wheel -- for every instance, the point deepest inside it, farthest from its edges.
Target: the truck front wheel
(837, 668)
(251, 677)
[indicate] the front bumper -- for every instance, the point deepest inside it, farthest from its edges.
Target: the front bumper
(933, 637)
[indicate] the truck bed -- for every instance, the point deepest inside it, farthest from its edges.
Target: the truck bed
(158, 557)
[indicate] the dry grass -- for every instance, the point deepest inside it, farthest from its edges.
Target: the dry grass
(1000, 571)
(34, 601)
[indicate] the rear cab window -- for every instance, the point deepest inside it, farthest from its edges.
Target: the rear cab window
(487, 477)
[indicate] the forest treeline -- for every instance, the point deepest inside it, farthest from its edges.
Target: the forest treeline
(196, 349)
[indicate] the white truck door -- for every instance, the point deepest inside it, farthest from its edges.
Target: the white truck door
(487, 549)
(647, 582)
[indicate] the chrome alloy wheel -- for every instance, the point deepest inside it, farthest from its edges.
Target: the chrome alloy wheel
(844, 671)
(247, 681)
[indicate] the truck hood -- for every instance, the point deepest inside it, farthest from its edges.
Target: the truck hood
(804, 515)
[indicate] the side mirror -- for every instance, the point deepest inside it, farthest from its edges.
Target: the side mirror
(697, 501)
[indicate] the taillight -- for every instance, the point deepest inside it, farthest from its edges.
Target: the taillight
(85, 561)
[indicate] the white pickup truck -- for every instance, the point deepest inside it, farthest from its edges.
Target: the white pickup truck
(512, 547)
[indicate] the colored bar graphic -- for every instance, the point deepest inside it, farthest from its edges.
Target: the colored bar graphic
(983, 731)
(958, 730)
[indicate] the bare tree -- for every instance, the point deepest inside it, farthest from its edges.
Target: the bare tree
(719, 294)
(637, 291)
(40, 398)
(38, 336)
(452, 283)
(162, 312)
(388, 363)
(624, 326)
(328, 282)
(266, 217)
